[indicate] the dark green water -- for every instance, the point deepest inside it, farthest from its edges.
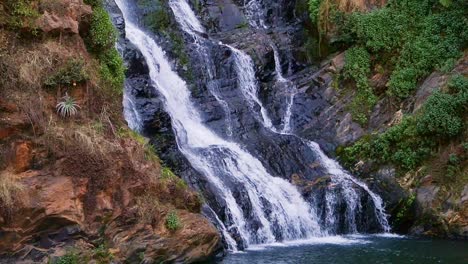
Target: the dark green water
(357, 250)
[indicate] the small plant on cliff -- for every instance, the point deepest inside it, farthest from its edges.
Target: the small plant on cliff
(69, 258)
(102, 255)
(67, 107)
(173, 221)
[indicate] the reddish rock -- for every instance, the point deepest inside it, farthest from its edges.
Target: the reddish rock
(23, 156)
(67, 21)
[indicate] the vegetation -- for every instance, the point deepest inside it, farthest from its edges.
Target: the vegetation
(22, 14)
(67, 107)
(69, 258)
(112, 70)
(357, 68)
(102, 32)
(412, 37)
(102, 255)
(101, 41)
(73, 73)
(408, 144)
(409, 38)
(173, 221)
(10, 188)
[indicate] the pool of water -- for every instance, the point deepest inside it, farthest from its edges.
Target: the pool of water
(359, 249)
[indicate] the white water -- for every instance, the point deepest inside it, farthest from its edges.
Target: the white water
(191, 25)
(248, 83)
(255, 14)
(130, 113)
(292, 91)
(223, 162)
(339, 177)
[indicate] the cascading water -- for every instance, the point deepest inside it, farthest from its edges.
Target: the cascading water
(291, 87)
(277, 211)
(192, 26)
(339, 177)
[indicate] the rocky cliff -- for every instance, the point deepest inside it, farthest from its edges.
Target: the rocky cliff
(76, 184)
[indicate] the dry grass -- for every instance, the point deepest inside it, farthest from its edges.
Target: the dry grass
(149, 208)
(10, 190)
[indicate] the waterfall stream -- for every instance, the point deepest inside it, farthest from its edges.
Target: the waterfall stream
(258, 207)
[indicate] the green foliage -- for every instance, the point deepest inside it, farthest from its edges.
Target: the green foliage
(74, 72)
(314, 9)
(405, 207)
(93, 3)
(418, 37)
(443, 112)
(357, 68)
(69, 258)
(113, 69)
(102, 34)
(166, 173)
(357, 65)
(102, 255)
(173, 221)
(409, 143)
(22, 14)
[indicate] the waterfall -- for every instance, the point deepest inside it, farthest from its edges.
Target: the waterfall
(291, 87)
(255, 14)
(248, 83)
(276, 210)
(339, 177)
(190, 24)
(131, 113)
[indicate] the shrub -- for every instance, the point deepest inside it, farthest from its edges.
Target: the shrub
(112, 69)
(69, 258)
(102, 254)
(357, 68)
(22, 14)
(409, 143)
(411, 37)
(102, 32)
(72, 73)
(157, 20)
(172, 221)
(314, 8)
(441, 116)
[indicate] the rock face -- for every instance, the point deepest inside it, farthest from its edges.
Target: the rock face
(63, 16)
(67, 185)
